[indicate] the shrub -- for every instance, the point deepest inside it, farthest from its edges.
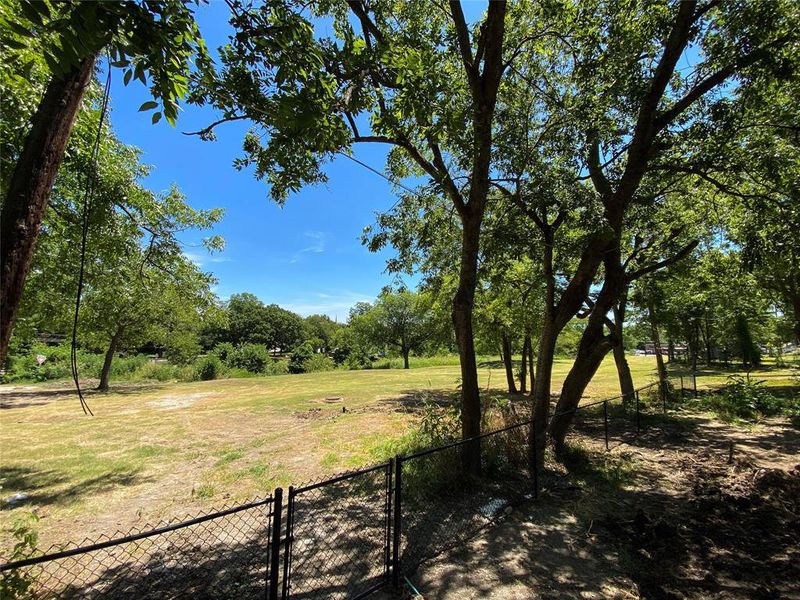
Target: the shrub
(299, 357)
(158, 371)
(277, 367)
(19, 583)
(208, 367)
(186, 373)
(356, 359)
(237, 373)
(224, 351)
(318, 362)
(122, 367)
(251, 357)
(744, 398)
(182, 348)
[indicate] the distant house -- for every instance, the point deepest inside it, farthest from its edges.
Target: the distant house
(650, 348)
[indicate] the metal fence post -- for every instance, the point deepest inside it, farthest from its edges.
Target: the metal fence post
(605, 421)
(398, 519)
(287, 557)
(389, 543)
(638, 414)
(535, 461)
(275, 545)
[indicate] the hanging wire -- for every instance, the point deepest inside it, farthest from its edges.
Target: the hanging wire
(391, 180)
(91, 176)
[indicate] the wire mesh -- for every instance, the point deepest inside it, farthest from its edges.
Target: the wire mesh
(339, 535)
(444, 505)
(223, 554)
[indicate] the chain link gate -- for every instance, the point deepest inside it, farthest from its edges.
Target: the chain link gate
(338, 535)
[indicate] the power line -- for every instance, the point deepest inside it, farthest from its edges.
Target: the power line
(87, 200)
(379, 173)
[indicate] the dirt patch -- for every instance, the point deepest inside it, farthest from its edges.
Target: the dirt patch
(182, 401)
(670, 515)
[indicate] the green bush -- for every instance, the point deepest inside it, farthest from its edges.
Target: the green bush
(57, 365)
(123, 367)
(744, 398)
(299, 357)
(318, 362)
(277, 367)
(158, 371)
(237, 373)
(208, 367)
(224, 350)
(19, 583)
(251, 357)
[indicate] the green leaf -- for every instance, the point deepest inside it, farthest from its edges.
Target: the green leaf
(149, 105)
(156, 117)
(126, 79)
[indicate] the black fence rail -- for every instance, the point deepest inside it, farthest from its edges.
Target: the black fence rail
(344, 537)
(220, 554)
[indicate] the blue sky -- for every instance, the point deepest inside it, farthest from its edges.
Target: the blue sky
(305, 256)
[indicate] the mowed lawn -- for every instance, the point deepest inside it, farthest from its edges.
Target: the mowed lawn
(159, 451)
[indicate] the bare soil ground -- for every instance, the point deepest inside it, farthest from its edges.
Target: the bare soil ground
(693, 508)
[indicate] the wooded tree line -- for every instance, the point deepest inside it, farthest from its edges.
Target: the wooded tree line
(569, 157)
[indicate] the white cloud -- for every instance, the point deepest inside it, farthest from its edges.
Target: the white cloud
(315, 246)
(203, 259)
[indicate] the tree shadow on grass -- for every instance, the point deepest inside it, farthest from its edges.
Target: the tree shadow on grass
(608, 521)
(415, 400)
(15, 399)
(43, 488)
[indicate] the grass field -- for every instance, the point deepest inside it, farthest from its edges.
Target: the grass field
(156, 451)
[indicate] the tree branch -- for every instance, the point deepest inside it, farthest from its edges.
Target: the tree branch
(683, 252)
(206, 131)
(715, 79)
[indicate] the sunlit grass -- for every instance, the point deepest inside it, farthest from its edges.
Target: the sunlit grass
(163, 449)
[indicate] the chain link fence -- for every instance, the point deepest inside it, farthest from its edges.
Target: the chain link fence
(224, 554)
(443, 504)
(343, 537)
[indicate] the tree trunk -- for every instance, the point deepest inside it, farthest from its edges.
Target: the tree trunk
(463, 304)
(540, 389)
(555, 318)
(530, 361)
(110, 353)
(593, 347)
(405, 358)
(662, 371)
(508, 362)
(694, 343)
(626, 386)
(708, 342)
(523, 370)
(31, 184)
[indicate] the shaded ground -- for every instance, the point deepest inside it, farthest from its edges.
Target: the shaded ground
(673, 515)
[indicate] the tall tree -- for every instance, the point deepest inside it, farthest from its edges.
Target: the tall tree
(643, 114)
(158, 39)
(421, 81)
(401, 319)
